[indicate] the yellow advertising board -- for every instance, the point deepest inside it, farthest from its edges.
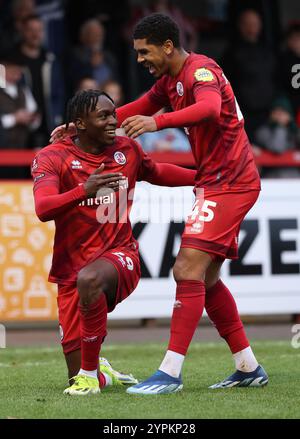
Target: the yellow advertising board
(25, 257)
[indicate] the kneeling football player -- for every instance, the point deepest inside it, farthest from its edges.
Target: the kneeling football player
(85, 183)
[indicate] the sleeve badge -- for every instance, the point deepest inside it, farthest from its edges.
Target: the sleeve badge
(204, 75)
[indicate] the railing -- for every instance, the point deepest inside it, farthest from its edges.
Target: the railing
(291, 158)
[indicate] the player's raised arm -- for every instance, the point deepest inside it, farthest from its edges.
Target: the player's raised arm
(144, 106)
(208, 106)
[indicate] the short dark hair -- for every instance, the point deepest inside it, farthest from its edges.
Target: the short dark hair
(157, 28)
(82, 103)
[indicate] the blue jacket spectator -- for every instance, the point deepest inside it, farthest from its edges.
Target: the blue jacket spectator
(167, 140)
(90, 58)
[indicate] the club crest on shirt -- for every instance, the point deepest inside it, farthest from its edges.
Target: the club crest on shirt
(76, 164)
(120, 158)
(204, 75)
(179, 88)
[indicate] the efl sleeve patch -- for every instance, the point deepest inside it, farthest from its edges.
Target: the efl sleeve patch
(38, 177)
(204, 75)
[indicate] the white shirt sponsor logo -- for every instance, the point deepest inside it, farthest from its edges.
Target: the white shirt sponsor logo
(105, 199)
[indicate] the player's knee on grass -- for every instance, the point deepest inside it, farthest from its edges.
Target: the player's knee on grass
(90, 284)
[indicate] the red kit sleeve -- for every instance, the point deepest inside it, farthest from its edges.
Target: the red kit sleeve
(207, 106)
(147, 105)
(163, 174)
(49, 203)
(144, 106)
(205, 83)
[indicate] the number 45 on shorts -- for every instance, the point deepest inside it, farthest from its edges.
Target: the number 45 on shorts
(202, 212)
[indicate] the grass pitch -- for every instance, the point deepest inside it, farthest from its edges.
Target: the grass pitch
(32, 382)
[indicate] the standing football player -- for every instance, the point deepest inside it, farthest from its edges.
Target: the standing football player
(85, 184)
(227, 185)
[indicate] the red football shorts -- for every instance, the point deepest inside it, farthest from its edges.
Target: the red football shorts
(214, 223)
(127, 263)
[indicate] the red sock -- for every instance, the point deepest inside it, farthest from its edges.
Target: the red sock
(102, 380)
(222, 311)
(188, 309)
(92, 332)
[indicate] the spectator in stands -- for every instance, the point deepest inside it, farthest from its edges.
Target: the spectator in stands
(115, 91)
(43, 75)
(12, 22)
(87, 83)
(18, 109)
(250, 67)
(22, 9)
(139, 78)
(188, 33)
(166, 140)
(289, 58)
(279, 135)
(52, 14)
(90, 58)
(112, 14)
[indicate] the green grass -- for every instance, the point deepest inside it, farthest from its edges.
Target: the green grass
(32, 382)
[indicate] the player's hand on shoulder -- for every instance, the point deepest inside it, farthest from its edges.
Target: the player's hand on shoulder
(60, 132)
(98, 180)
(134, 126)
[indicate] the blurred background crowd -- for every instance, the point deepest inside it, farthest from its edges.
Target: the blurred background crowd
(52, 48)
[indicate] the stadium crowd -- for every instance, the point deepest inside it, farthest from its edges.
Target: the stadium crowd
(51, 48)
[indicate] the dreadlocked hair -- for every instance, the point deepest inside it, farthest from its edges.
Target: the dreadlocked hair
(82, 103)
